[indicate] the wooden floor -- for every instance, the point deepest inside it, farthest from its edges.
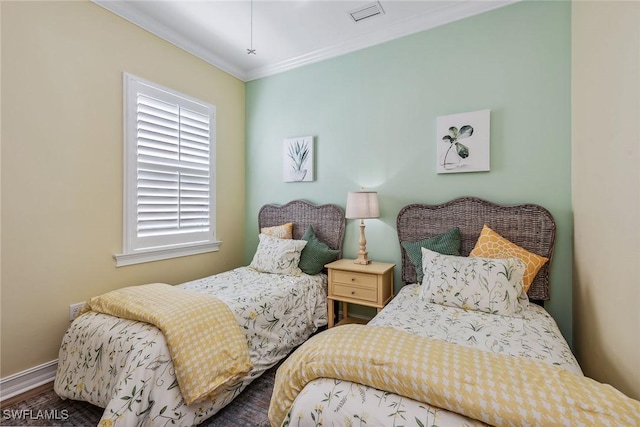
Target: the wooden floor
(26, 395)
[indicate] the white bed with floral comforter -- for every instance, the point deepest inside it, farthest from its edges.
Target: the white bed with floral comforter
(125, 367)
(466, 340)
(331, 402)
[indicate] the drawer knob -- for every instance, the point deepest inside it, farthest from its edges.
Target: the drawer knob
(353, 279)
(353, 292)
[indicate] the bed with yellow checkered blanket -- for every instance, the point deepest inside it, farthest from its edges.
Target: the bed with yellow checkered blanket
(126, 367)
(207, 346)
(493, 388)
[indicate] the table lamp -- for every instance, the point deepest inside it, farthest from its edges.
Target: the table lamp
(362, 205)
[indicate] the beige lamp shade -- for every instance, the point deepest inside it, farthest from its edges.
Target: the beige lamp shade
(362, 205)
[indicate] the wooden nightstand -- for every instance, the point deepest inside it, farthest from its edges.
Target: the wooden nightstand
(370, 285)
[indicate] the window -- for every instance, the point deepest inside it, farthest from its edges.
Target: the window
(169, 174)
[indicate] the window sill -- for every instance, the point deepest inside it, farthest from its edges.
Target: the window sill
(168, 253)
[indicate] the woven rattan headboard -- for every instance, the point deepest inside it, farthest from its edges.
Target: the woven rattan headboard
(327, 220)
(530, 226)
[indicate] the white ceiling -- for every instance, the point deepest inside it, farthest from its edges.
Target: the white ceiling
(286, 33)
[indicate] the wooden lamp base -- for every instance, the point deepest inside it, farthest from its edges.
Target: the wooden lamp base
(363, 257)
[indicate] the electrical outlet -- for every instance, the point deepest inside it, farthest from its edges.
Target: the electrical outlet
(74, 309)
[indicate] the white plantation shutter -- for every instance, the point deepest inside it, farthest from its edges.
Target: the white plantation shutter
(169, 179)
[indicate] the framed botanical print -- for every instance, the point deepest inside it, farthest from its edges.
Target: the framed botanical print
(298, 159)
(463, 142)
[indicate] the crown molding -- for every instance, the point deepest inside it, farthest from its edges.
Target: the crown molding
(446, 14)
(129, 12)
(451, 12)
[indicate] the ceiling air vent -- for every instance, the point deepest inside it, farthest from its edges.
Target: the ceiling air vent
(367, 11)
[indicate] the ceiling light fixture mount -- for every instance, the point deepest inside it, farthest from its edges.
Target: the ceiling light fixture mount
(251, 50)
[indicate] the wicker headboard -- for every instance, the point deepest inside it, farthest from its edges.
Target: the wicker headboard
(530, 226)
(327, 220)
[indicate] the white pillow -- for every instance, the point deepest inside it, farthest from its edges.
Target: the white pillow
(279, 256)
(482, 284)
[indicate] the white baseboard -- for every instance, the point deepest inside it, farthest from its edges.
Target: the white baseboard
(24, 381)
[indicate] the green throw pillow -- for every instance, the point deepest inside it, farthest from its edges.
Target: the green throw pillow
(315, 253)
(447, 244)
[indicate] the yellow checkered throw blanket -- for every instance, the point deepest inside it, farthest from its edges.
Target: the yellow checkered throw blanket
(206, 343)
(496, 389)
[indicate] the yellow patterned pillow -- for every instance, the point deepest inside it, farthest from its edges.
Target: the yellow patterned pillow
(284, 231)
(492, 245)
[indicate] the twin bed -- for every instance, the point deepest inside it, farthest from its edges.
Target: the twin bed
(125, 366)
(418, 362)
(426, 360)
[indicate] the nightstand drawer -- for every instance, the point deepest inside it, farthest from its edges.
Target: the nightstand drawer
(357, 292)
(350, 278)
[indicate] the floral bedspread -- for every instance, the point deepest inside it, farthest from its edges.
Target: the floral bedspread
(124, 366)
(333, 402)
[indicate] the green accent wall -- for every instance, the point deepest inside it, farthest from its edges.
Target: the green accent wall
(373, 115)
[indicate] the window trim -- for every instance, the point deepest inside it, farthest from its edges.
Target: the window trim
(131, 254)
(165, 253)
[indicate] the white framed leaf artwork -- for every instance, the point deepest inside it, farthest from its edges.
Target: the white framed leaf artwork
(463, 142)
(298, 159)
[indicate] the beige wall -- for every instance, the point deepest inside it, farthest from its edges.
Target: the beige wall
(62, 65)
(606, 190)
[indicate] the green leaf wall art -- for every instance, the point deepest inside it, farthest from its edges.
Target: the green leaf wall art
(298, 159)
(463, 142)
